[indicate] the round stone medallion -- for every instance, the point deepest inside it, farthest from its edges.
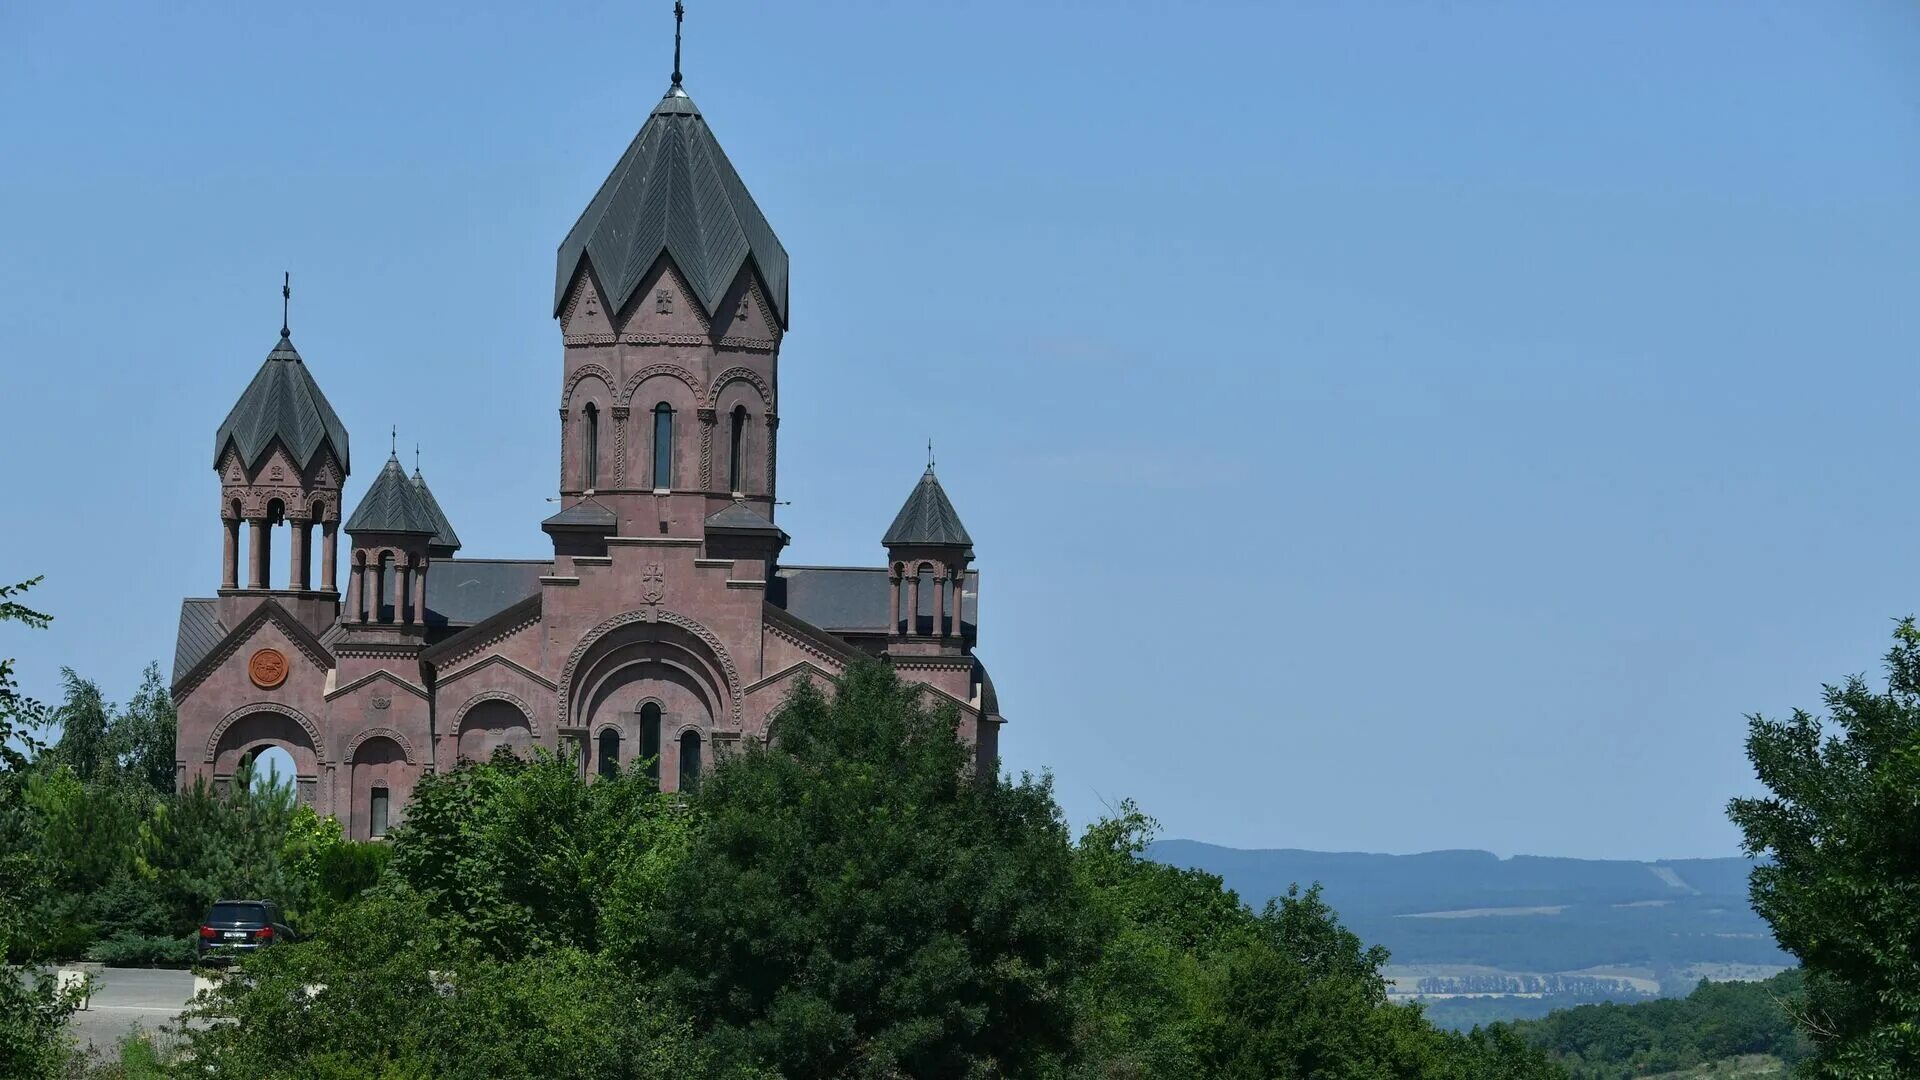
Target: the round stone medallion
(267, 668)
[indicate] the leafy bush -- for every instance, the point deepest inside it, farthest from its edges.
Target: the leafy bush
(126, 949)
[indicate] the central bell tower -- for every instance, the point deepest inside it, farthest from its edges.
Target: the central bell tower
(671, 293)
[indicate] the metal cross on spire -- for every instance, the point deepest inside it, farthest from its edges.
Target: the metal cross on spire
(286, 298)
(679, 13)
(929, 455)
(416, 459)
(393, 443)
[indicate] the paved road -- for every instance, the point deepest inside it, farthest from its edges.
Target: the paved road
(129, 998)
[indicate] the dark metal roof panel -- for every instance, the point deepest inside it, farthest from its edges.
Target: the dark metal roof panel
(673, 192)
(282, 402)
(854, 598)
(739, 517)
(587, 514)
(928, 518)
(200, 631)
(392, 505)
(464, 591)
(443, 534)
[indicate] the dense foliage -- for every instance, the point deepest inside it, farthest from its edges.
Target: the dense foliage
(1841, 887)
(853, 903)
(1715, 1022)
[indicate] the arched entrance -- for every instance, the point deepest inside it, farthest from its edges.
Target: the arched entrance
(249, 731)
(380, 781)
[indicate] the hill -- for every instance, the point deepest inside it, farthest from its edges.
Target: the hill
(1482, 938)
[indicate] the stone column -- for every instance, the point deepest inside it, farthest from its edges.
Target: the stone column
(370, 590)
(959, 582)
(402, 588)
(940, 605)
(420, 593)
(297, 575)
(893, 608)
(230, 560)
(913, 607)
(327, 530)
(353, 593)
(257, 556)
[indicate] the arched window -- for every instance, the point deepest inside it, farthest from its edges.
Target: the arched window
(650, 739)
(689, 760)
(377, 812)
(590, 463)
(736, 458)
(609, 752)
(662, 446)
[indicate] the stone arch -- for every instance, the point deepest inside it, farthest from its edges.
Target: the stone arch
(229, 722)
(584, 371)
(490, 721)
(360, 740)
(651, 370)
(740, 374)
(720, 658)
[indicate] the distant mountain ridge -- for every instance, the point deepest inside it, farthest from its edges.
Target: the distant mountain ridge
(1467, 920)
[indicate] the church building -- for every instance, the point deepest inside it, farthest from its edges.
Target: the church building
(662, 630)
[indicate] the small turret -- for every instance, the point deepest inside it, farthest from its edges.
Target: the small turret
(928, 542)
(392, 529)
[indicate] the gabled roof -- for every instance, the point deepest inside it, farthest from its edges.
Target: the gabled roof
(200, 632)
(282, 402)
(443, 534)
(392, 505)
(673, 191)
(928, 519)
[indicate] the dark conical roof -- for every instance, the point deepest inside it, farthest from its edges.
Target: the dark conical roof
(928, 519)
(443, 534)
(282, 402)
(674, 191)
(392, 505)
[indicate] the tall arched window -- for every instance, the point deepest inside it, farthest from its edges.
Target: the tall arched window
(650, 739)
(662, 446)
(609, 752)
(689, 760)
(737, 456)
(590, 464)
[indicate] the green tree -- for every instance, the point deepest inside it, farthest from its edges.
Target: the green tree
(1840, 884)
(33, 1040)
(141, 740)
(858, 902)
(84, 719)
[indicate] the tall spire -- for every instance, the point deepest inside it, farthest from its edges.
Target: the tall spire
(286, 298)
(679, 13)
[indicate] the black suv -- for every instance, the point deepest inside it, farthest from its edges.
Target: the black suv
(241, 926)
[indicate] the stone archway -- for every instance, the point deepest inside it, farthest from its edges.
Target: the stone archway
(647, 676)
(248, 730)
(489, 723)
(381, 773)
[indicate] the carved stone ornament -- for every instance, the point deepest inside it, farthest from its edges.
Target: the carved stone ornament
(383, 703)
(267, 668)
(653, 584)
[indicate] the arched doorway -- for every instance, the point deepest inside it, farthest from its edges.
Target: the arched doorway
(647, 677)
(249, 733)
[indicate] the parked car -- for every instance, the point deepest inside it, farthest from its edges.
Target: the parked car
(235, 927)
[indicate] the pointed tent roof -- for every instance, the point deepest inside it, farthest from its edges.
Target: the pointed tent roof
(928, 519)
(282, 402)
(443, 534)
(392, 505)
(673, 191)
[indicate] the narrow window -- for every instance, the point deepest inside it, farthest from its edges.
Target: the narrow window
(738, 455)
(663, 446)
(689, 760)
(650, 739)
(591, 464)
(377, 813)
(609, 752)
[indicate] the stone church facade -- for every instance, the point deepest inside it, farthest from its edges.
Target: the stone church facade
(662, 631)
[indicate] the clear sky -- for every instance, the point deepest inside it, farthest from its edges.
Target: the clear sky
(1384, 426)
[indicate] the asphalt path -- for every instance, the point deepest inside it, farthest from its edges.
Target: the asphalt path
(125, 999)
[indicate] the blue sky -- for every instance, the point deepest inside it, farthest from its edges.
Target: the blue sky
(1384, 427)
